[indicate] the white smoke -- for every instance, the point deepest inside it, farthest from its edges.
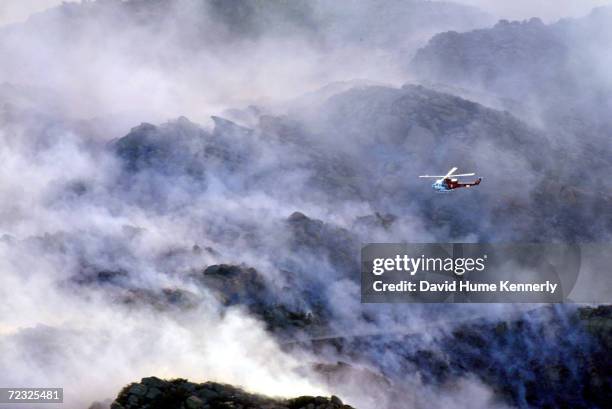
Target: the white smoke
(13, 11)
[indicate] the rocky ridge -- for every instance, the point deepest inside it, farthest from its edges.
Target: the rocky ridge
(155, 393)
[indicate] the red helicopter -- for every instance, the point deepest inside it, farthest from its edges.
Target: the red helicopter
(449, 182)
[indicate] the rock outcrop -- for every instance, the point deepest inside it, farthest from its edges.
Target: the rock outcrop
(155, 393)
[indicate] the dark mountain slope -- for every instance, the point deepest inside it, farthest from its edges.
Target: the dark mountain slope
(548, 357)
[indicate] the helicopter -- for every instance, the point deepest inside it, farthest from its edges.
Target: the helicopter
(450, 182)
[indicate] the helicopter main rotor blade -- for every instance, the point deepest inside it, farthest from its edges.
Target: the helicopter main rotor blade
(450, 173)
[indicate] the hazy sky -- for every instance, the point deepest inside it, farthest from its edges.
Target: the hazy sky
(545, 9)
(16, 10)
(12, 11)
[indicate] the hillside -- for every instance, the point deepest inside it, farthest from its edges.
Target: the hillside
(553, 76)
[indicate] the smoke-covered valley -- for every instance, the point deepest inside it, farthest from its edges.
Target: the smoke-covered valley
(187, 186)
